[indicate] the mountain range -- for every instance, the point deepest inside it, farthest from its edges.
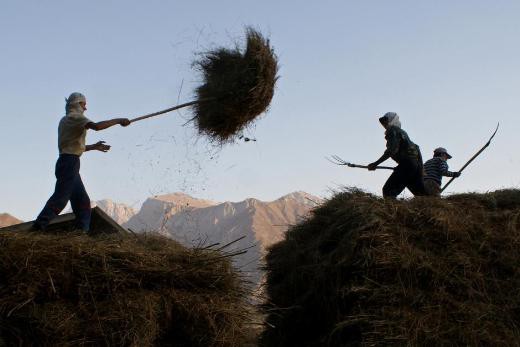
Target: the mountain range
(253, 224)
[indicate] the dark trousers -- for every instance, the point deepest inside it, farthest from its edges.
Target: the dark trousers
(408, 174)
(432, 188)
(68, 187)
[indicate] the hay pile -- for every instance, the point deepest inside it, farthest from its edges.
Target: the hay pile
(425, 272)
(239, 85)
(75, 290)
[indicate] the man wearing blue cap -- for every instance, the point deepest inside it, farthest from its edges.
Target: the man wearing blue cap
(72, 132)
(409, 170)
(434, 169)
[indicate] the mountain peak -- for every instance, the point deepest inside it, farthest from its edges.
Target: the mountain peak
(179, 198)
(6, 220)
(121, 213)
(302, 197)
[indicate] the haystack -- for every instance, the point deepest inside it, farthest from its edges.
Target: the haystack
(146, 290)
(237, 87)
(363, 271)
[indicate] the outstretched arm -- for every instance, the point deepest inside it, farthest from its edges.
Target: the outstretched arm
(446, 172)
(107, 124)
(98, 146)
(372, 166)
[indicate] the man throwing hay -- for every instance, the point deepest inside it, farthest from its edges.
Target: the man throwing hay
(72, 132)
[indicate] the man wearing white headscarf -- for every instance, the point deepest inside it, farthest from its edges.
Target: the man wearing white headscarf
(72, 132)
(409, 171)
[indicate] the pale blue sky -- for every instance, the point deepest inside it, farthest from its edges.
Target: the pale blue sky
(450, 69)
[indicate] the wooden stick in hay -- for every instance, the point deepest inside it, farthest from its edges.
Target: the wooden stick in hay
(237, 87)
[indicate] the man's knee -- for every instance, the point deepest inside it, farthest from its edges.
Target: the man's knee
(57, 204)
(390, 192)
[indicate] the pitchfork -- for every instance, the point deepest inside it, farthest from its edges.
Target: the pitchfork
(338, 161)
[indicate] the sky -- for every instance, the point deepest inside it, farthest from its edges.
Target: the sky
(450, 69)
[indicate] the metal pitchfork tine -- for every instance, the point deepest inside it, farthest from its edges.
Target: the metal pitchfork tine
(338, 161)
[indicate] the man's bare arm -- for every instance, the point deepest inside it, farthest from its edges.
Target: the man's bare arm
(107, 124)
(99, 146)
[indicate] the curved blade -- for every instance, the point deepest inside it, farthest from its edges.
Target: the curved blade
(473, 157)
(491, 138)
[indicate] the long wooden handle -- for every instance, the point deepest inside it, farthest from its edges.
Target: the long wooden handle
(472, 158)
(170, 109)
(366, 167)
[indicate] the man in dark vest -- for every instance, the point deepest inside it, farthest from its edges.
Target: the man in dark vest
(409, 170)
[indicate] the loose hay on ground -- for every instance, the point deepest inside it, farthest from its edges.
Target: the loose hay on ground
(74, 290)
(239, 85)
(425, 272)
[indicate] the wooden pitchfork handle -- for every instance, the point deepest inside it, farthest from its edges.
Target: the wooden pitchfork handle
(366, 167)
(338, 161)
(171, 109)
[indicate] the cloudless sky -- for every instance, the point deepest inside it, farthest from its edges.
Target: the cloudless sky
(450, 69)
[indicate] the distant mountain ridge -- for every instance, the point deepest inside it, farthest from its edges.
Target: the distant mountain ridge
(194, 221)
(157, 210)
(121, 213)
(6, 220)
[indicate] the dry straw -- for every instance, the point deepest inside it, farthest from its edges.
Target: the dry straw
(242, 84)
(237, 87)
(363, 271)
(75, 290)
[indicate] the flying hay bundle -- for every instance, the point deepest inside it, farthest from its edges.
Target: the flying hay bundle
(237, 87)
(242, 85)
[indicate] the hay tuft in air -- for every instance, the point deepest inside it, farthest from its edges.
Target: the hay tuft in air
(364, 271)
(239, 85)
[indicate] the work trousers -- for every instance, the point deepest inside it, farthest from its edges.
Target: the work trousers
(432, 188)
(408, 174)
(69, 187)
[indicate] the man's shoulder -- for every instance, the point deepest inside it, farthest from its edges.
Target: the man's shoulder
(396, 133)
(431, 161)
(76, 119)
(393, 131)
(435, 161)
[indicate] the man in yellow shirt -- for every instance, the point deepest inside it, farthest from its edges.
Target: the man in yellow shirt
(72, 132)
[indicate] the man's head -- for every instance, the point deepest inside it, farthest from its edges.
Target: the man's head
(76, 102)
(390, 119)
(442, 153)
